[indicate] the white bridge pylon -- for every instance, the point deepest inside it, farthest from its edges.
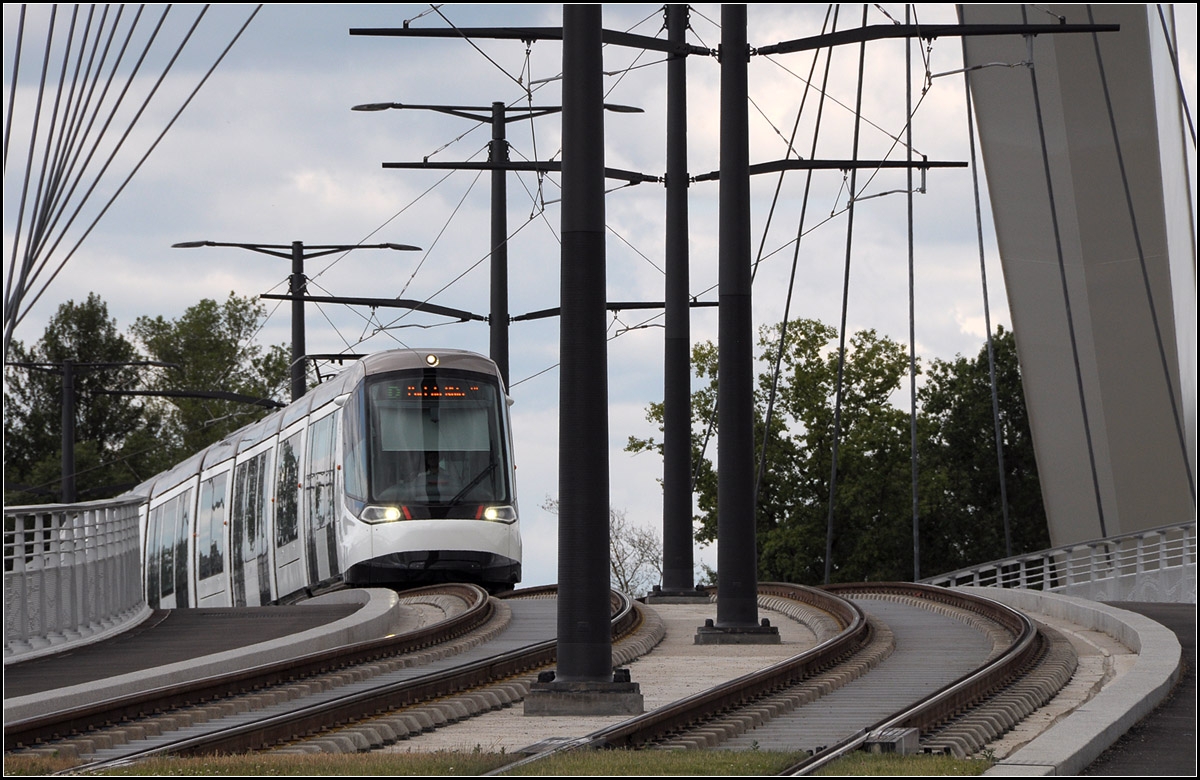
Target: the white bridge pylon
(1143, 450)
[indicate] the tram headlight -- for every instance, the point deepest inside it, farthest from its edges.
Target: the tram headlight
(380, 514)
(498, 514)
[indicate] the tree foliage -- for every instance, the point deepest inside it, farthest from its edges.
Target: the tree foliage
(122, 440)
(114, 435)
(872, 518)
(965, 511)
(213, 344)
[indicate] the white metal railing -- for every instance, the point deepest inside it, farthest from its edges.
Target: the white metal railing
(1158, 564)
(71, 572)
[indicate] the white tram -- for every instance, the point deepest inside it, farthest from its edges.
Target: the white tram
(396, 472)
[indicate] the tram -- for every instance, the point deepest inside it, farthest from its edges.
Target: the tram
(396, 472)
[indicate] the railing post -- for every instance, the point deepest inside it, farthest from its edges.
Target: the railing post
(1067, 567)
(47, 583)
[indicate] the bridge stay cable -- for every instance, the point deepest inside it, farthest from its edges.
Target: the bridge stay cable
(841, 363)
(13, 89)
(987, 319)
(46, 214)
(787, 306)
(35, 242)
(1173, 51)
(1062, 271)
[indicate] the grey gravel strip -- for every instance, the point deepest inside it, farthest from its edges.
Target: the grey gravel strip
(969, 733)
(931, 650)
(727, 726)
(412, 721)
(117, 741)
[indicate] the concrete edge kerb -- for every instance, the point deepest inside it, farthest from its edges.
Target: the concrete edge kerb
(374, 619)
(1073, 743)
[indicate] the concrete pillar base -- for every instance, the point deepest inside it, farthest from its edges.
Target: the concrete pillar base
(709, 634)
(661, 595)
(585, 698)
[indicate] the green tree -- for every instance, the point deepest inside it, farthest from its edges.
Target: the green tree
(213, 344)
(965, 515)
(115, 437)
(123, 440)
(872, 518)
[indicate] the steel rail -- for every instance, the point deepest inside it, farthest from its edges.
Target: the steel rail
(305, 720)
(749, 687)
(401, 694)
(958, 695)
(648, 727)
(643, 730)
(76, 720)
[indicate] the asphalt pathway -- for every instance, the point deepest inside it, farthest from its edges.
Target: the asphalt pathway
(1164, 742)
(167, 636)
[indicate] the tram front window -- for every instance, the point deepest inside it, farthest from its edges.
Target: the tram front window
(437, 442)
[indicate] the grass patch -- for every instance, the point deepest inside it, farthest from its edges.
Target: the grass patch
(36, 765)
(860, 764)
(380, 764)
(663, 762)
(579, 763)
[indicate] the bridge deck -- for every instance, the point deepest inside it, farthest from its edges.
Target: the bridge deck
(167, 637)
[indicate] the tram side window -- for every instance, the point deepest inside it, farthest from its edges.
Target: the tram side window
(210, 521)
(318, 482)
(354, 429)
(287, 492)
(166, 547)
(153, 557)
(249, 503)
(183, 528)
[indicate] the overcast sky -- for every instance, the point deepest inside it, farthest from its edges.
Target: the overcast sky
(269, 152)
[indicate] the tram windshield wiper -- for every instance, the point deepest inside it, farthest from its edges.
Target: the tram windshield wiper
(458, 497)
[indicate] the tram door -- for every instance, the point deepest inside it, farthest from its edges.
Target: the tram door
(167, 539)
(320, 512)
(248, 535)
(290, 575)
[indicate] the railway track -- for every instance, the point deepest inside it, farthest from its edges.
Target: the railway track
(393, 703)
(1012, 670)
(168, 718)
